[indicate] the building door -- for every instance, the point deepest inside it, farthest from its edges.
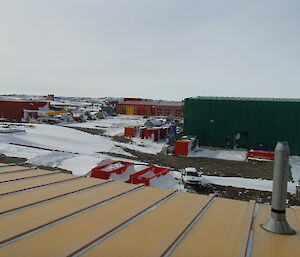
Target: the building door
(130, 110)
(240, 140)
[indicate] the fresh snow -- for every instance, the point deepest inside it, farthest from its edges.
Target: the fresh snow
(257, 184)
(295, 163)
(51, 159)
(80, 164)
(113, 125)
(73, 150)
(20, 151)
(143, 145)
(248, 183)
(113, 166)
(233, 155)
(62, 139)
(167, 181)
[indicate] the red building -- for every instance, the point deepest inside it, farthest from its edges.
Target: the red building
(50, 97)
(150, 108)
(133, 99)
(15, 110)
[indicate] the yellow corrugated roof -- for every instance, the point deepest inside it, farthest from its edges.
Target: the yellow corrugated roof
(4, 169)
(46, 213)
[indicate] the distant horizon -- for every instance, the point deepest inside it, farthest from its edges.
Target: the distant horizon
(120, 97)
(61, 96)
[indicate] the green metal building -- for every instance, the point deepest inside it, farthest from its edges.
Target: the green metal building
(243, 122)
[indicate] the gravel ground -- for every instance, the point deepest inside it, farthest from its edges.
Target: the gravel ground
(216, 167)
(209, 166)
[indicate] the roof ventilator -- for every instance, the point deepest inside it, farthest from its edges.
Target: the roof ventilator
(277, 223)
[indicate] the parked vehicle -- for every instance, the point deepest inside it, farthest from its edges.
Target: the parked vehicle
(191, 176)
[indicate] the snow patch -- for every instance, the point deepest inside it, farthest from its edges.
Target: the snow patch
(20, 151)
(125, 176)
(80, 164)
(167, 181)
(51, 159)
(113, 166)
(295, 163)
(257, 184)
(144, 145)
(233, 155)
(113, 126)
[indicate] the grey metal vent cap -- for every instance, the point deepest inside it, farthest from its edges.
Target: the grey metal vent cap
(278, 226)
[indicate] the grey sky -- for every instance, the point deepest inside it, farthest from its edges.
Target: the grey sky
(162, 49)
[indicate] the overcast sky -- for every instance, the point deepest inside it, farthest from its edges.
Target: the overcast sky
(161, 49)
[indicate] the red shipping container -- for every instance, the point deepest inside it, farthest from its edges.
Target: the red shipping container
(153, 133)
(163, 133)
(130, 132)
(144, 176)
(182, 147)
(104, 171)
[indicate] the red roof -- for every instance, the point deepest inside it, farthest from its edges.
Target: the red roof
(179, 104)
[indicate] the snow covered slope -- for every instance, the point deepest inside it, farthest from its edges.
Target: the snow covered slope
(61, 138)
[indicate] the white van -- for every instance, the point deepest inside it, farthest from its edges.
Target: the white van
(191, 176)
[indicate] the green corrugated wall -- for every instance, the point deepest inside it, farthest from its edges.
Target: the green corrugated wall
(216, 121)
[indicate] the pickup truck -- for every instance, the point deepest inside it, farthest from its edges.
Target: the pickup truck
(191, 176)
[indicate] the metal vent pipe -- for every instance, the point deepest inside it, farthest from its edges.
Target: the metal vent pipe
(277, 223)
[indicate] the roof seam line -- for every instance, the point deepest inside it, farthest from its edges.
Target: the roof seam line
(122, 226)
(177, 241)
(52, 198)
(41, 186)
(17, 179)
(8, 165)
(13, 171)
(251, 232)
(59, 220)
